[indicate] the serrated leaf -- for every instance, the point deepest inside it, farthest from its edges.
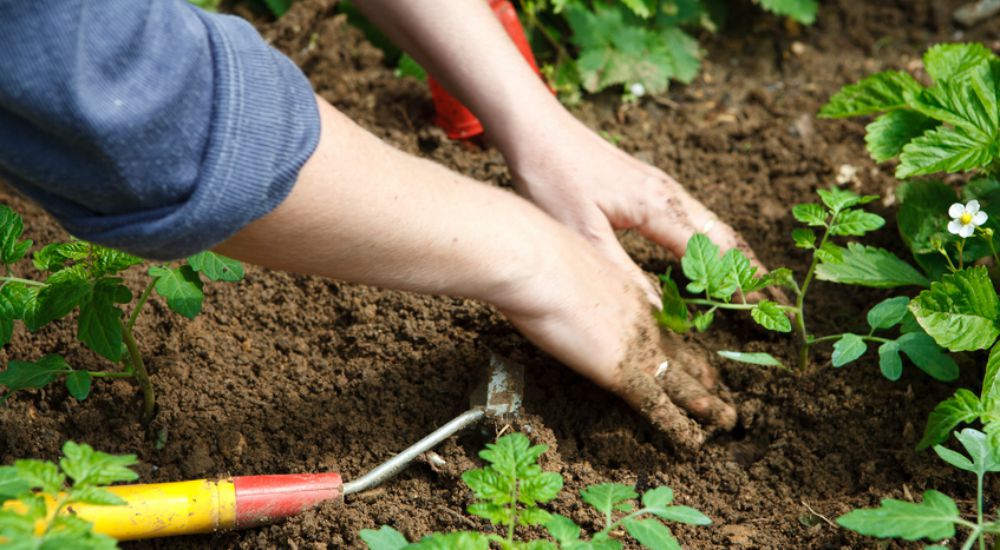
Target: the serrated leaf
(923, 214)
(804, 238)
(886, 136)
(803, 11)
(944, 61)
(99, 324)
(961, 408)
(961, 311)
(848, 348)
(658, 497)
(63, 292)
(181, 287)
(39, 474)
(12, 249)
(932, 519)
(21, 375)
(926, 355)
(216, 266)
(984, 459)
(85, 466)
(78, 384)
(540, 488)
(810, 214)
(756, 358)
(868, 266)
(703, 320)
(94, 495)
(651, 534)
(837, 199)
(532, 516)
(770, 316)
(875, 94)
(562, 529)
(682, 514)
(889, 361)
(604, 496)
(461, 540)
(54, 256)
(642, 8)
(855, 223)
(386, 538)
(110, 261)
(740, 272)
(674, 315)
(11, 484)
(991, 379)
(945, 149)
(888, 313)
(780, 277)
(707, 272)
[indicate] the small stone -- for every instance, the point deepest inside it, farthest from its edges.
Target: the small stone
(798, 48)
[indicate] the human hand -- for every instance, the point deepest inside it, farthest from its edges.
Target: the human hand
(593, 187)
(590, 315)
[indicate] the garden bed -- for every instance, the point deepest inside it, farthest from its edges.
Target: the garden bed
(296, 374)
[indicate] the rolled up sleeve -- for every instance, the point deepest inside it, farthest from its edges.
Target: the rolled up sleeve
(153, 127)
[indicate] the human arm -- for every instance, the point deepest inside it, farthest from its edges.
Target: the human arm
(557, 162)
(363, 211)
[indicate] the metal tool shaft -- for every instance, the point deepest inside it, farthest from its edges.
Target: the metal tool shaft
(397, 463)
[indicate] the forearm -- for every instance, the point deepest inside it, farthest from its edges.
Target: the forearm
(363, 211)
(463, 45)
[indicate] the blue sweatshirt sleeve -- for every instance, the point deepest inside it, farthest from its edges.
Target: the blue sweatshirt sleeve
(148, 125)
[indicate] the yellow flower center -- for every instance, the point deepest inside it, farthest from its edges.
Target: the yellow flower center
(966, 219)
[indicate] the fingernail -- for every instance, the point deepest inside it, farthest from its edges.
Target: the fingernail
(661, 370)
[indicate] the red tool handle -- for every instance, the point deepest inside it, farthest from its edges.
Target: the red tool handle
(266, 499)
(453, 117)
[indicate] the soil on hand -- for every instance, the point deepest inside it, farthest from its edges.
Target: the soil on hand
(284, 373)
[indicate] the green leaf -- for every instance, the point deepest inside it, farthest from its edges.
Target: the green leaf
(642, 8)
(658, 497)
(540, 488)
(681, 514)
(63, 292)
(11, 484)
(707, 272)
(89, 494)
(991, 379)
(78, 384)
(651, 534)
(462, 540)
(21, 375)
(984, 459)
(804, 238)
(758, 358)
(961, 311)
(923, 214)
(562, 529)
(855, 223)
(181, 287)
(944, 61)
(770, 316)
(674, 315)
(803, 11)
(532, 516)
(847, 349)
(99, 325)
(702, 321)
(494, 513)
(740, 274)
(12, 249)
(875, 94)
(386, 538)
(945, 149)
(932, 519)
(868, 266)
(780, 277)
(216, 266)
(926, 355)
(889, 133)
(810, 214)
(889, 361)
(85, 466)
(110, 261)
(409, 67)
(961, 408)
(54, 256)
(39, 474)
(888, 313)
(837, 199)
(605, 496)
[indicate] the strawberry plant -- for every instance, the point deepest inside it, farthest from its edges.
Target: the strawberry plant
(510, 489)
(85, 277)
(937, 516)
(727, 282)
(639, 44)
(38, 498)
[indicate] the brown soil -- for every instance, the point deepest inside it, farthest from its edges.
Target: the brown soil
(295, 374)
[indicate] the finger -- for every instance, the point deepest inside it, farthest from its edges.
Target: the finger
(692, 360)
(643, 392)
(607, 244)
(692, 396)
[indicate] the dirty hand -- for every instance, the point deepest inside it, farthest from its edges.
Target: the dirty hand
(588, 184)
(592, 316)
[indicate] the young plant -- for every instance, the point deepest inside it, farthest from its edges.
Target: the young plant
(509, 491)
(38, 500)
(84, 277)
(727, 283)
(936, 518)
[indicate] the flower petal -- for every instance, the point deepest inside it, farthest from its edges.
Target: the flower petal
(967, 231)
(972, 207)
(979, 218)
(956, 210)
(955, 226)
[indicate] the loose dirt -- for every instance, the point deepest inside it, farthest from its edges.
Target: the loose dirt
(295, 374)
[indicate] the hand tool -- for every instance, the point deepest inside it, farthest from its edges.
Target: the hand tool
(205, 506)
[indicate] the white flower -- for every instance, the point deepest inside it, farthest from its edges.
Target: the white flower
(637, 89)
(965, 219)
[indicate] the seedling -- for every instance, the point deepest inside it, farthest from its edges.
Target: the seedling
(45, 494)
(936, 518)
(510, 489)
(726, 283)
(84, 277)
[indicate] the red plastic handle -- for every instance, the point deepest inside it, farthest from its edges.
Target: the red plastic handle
(266, 499)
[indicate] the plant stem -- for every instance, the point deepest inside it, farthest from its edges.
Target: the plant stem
(112, 374)
(724, 305)
(960, 245)
(28, 282)
(973, 537)
(979, 509)
(835, 337)
(141, 375)
(138, 305)
(800, 298)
